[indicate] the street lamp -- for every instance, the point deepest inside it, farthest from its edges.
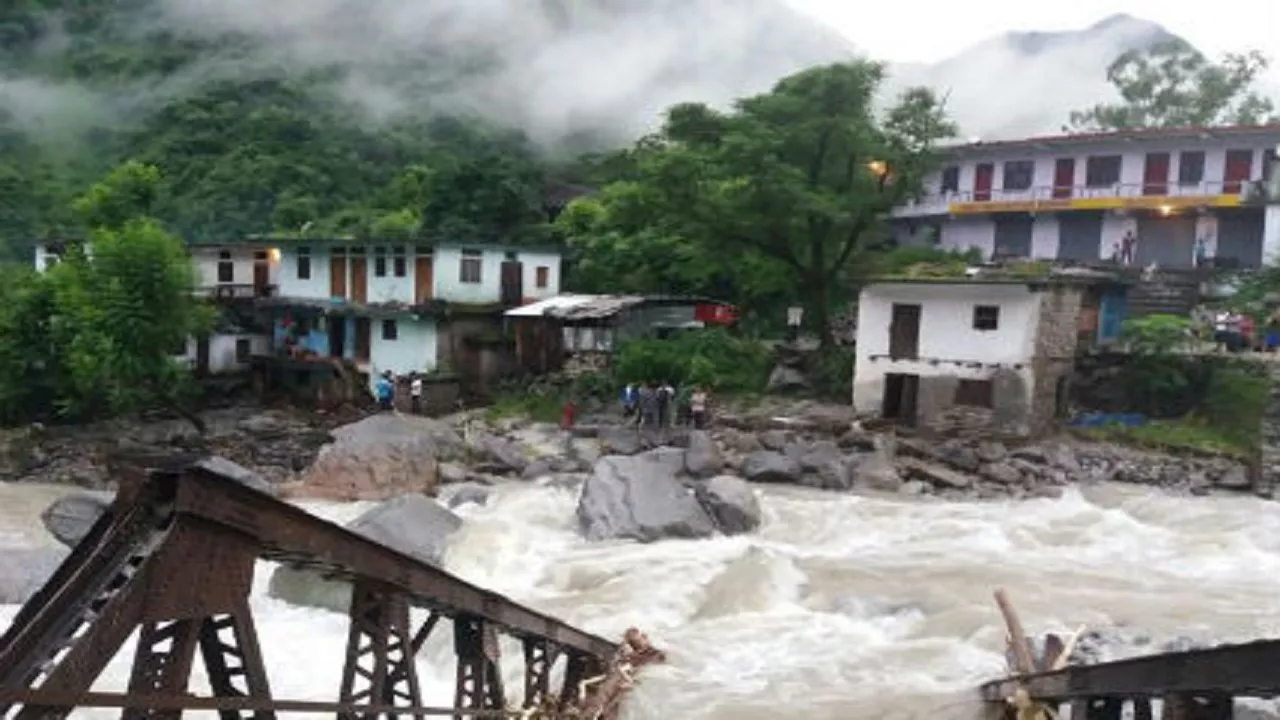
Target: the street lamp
(795, 314)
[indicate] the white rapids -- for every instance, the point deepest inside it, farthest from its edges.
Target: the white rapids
(839, 608)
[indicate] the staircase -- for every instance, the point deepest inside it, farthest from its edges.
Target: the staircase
(1167, 292)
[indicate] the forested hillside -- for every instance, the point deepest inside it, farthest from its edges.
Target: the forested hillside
(340, 116)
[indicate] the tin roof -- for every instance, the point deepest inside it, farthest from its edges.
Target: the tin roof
(591, 307)
(1136, 135)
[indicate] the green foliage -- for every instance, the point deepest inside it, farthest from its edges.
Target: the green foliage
(711, 358)
(1172, 84)
(1182, 434)
(1157, 335)
(1157, 375)
(830, 371)
(770, 203)
(95, 334)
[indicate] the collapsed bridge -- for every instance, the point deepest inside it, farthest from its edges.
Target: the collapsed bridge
(174, 558)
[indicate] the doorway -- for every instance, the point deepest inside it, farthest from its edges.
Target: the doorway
(904, 332)
(1155, 178)
(1013, 235)
(359, 276)
(512, 288)
(1064, 177)
(1238, 168)
(337, 336)
(983, 176)
(364, 328)
(901, 391)
(423, 278)
(338, 273)
(261, 274)
(202, 355)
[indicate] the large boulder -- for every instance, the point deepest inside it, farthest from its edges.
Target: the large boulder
(703, 458)
(23, 571)
(496, 455)
(381, 456)
(415, 525)
(621, 440)
(639, 498)
(876, 471)
(768, 466)
(731, 502)
(70, 518)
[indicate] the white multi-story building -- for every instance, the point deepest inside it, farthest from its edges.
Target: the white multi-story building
(386, 305)
(1074, 197)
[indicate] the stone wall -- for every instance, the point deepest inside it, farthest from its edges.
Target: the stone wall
(1057, 338)
(1269, 453)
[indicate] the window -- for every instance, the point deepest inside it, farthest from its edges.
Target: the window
(541, 275)
(951, 180)
(974, 393)
(242, 350)
(389, 330)
(379, 262)
(399, 265)
(1102, 171)
(986, 317)
(1191, 167)
(1018, 174)
(469, 268)
(304, 263)
(226, 268)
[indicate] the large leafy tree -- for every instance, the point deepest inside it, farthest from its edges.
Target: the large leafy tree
(795, 183)
(1171, 84)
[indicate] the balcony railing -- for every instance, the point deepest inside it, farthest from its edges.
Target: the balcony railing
(1060, 197)
(236, 291)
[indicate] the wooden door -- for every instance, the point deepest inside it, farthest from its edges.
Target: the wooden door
(904, 332)
(983, 176)
(1155, 176)
(359, 279)
(1237, 170)
(202, 355)
(338, 274)
(364, 329)
(1064, 177)
(512, 278)
(261, 277)
(423, 279)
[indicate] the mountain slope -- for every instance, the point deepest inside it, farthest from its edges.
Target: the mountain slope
(1021, 84)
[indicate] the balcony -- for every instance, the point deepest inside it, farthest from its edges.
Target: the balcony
(236, 291)
(1080, 197)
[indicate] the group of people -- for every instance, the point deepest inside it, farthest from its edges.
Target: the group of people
(652, 404)
(384, 391)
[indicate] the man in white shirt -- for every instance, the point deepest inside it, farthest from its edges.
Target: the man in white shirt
(415, 394)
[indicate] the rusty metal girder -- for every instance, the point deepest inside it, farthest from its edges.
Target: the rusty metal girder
(539, 657)
(1246, 670)
(479, 680)
(174, 556)
(288, 534)
(232, 655)
(379, 634)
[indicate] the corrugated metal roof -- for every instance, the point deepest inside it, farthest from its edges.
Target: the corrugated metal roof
(542, 306)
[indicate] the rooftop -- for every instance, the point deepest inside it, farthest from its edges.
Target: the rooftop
(1010, 273)
(594, 307)
(1050, 142)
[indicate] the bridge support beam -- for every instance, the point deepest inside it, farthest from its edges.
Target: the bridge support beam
(380, 667)
(539, 657)
(479, 681)
(233, 659)
(1193, 707)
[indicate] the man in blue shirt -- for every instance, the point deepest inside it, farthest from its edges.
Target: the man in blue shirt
(384, 391)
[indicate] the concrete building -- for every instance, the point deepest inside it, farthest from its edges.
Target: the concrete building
(978, 353)
(1074, 197)
(401, 307)
(226, 275)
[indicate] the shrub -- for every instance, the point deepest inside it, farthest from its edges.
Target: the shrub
(713, 358)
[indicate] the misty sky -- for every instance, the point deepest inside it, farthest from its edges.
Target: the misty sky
(893, 31)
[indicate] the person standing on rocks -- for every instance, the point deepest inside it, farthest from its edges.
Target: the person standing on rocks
(683, 395)
(648, 404)
(666, 396)
(415, 394)
(384, 391)
(698, 408)
(630, 397)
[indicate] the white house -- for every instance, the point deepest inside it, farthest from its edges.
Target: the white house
(997, 349)
(223, 273)
(1074, 197)
(382, 304)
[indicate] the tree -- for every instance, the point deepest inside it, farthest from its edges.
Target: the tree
(1171, 84)
(796, 182)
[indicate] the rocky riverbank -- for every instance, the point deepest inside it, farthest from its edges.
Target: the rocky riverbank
(350, 457)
